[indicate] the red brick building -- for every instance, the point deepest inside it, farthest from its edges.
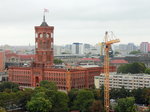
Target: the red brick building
(43, 68)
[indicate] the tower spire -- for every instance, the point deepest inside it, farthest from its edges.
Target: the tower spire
(44, 17)
(44, 22)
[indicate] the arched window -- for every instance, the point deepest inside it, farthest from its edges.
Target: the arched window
(41, 35)
(47, 35)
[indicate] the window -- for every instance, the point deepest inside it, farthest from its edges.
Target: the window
(41, 35)
(44, 35)
(47, 35)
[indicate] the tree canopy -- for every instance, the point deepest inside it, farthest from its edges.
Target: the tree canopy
(9, 85)
(58, 61)
(135, 52)
(48, 85)
(39, 103)
(147, 70)
(83, 100)
(125, 105)
(132, 68)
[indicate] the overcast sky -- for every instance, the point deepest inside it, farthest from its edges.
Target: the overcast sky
(75, 20)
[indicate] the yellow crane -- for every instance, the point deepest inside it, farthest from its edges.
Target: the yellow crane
(107, 45)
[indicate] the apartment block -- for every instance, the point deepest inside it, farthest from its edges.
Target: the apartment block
(129, 81)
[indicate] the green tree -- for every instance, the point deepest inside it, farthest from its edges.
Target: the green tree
(84, 100)
(9, 85)
(102, 94)
(125, 105)
(97, 106)
(72, 96)
(48, 85)
(135, 52)
(8, 99)
(141, 95)
(23, 97)
(58, 61)
(59, 101)
(132, 68)
(39, 104)
(147, 71)
(119, 93)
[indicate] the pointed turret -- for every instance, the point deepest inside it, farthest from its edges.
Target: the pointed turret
(44, 22)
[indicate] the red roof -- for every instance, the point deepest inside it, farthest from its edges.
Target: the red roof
(21, 56)
(9, 55)
(26, 56)
(119, 61)
(90, 59)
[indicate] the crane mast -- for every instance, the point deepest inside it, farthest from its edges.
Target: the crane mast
(107, 44)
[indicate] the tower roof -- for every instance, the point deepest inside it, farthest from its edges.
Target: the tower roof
(44, 22)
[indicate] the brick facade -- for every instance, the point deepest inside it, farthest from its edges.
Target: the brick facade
(43, 68)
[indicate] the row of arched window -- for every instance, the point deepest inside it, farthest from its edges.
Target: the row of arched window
(45, 35)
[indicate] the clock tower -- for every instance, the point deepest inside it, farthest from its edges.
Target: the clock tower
(44, 44)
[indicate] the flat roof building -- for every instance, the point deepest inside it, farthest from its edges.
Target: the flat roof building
(129, 81)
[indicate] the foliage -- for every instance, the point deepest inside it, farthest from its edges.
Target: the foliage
(83, 100)
(142, 96)
(147, 71)
(58, 61)
(24, 97)
(135, 52)
(7, 99)
(125, 105)
(9, 86)
(102, 94)
(132, 68)
(39, 104)
(119, 93)
(72, 96)
(97, 106)
(59, 101)
(48, 85)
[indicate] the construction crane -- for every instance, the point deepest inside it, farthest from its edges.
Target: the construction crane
(108, 41)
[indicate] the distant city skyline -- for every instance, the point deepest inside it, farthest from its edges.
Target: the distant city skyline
(75, 21)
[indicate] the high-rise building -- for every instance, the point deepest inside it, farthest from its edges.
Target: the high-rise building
(131, 47)
(144, 47)
(77, 48)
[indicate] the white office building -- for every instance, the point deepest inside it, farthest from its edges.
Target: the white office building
(129, 81)
(77, 48)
